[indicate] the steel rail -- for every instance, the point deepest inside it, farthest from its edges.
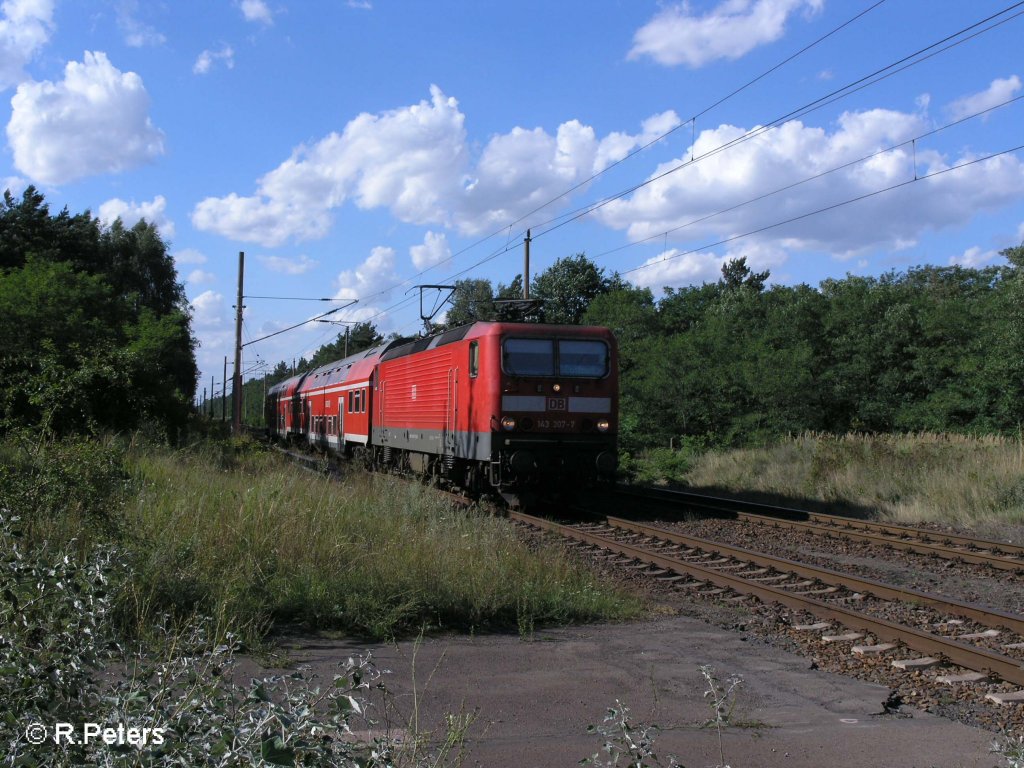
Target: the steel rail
(909, 539)
(987, 616)
(969, 657)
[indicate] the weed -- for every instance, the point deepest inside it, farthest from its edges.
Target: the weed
(1012, 749)
(60, 662)
(721, 698)
(626, 743)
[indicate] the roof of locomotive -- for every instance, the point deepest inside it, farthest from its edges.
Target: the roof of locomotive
(481, 328)
(340, 370)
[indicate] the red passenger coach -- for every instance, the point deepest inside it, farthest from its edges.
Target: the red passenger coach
(514, 407)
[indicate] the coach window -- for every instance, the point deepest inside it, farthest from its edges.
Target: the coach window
(474, 358)
(350, 396)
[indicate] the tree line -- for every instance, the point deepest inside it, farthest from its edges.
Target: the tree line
(738, 363)
(741, 362)
(95, 334)
(95, 329)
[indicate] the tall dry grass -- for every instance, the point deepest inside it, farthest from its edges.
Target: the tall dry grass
(260, 541)
(971, 482)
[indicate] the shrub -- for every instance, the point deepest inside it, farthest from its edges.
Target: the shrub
(73, 488)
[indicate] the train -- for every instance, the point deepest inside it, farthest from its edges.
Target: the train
(517, 409)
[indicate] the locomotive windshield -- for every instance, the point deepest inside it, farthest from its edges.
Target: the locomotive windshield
(544, 357)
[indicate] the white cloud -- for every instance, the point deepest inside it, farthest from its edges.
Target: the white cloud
(256, 10)
(434, 250)
(25, 27)
(615, 146)
(998, 91)
(13, 184)
(189, 256)
(208, 310)
(676, 268)
(131, 213)
(363, 5)
(206, 60)
(693, 198)
(416, 162)
(299, 266)
(729, 31)
(973, 257)
(200, 277)
(375, 275)
(137, 34)
(94, 121)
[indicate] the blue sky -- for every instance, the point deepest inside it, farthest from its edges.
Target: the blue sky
(348, 146)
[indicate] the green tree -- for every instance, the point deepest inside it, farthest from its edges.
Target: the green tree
(472, 300)
(358, 337)
(569, 285)
(96, 328)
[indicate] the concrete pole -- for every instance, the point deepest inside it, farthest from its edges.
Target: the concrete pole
(236, 423)
(526, 266)
(224, 393)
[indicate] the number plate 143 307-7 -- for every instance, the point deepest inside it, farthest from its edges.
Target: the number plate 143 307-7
(558, 424)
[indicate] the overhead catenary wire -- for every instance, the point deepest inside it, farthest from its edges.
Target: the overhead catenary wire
(877, 76)
(299, 325)
(917, 178)
(912, 141)
(630, 155)
(919, 56)
(866, 81)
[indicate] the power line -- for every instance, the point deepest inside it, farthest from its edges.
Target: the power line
(864, 82)
(634, 152)
(299, 325)
(825, 209)
(877, 76)
(865, 158)
(291, 298)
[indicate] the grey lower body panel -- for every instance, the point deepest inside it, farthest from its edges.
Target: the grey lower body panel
(512, 455)
(474, 446)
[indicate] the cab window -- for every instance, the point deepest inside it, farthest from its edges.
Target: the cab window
(583, 358)
(528, 357)
(474, 358)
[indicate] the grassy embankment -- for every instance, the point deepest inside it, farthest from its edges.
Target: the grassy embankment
(971, 482)
(255, 540)
(240, 535)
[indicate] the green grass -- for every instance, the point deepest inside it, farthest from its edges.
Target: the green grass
(257, 542)
(972, 482)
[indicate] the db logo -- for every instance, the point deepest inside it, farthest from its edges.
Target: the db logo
(556, 404)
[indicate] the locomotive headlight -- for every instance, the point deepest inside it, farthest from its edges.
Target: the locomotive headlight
(508, 423)
(556, 387)
(602, 425)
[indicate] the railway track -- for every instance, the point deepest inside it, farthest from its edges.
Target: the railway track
(987, 642)
(995, 554)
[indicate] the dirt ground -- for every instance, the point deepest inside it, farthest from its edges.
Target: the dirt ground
(534, 699)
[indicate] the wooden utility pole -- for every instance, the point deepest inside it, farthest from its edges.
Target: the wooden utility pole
(236, 383)
(526, 266)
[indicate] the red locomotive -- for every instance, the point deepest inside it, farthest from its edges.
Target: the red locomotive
(513, 407)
